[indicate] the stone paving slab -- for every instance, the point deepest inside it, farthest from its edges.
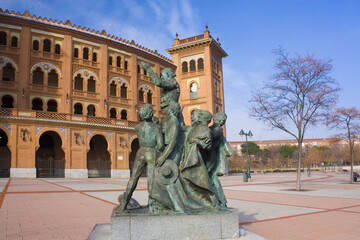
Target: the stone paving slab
(254, 211)
(53, 209)
(140, 196)
(93, 186)
(329, 192)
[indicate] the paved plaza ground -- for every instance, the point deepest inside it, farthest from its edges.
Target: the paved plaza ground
(328, 208)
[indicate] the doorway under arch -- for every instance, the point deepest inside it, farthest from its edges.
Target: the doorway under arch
(98, 158)
(50, 158)
(5, 156)
(134, 148)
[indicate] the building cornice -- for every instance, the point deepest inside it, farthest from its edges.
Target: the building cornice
(68, 25)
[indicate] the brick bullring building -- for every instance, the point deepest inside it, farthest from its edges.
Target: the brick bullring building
(70, 95)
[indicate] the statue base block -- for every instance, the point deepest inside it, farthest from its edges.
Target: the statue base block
(149, 226)
(204, 226)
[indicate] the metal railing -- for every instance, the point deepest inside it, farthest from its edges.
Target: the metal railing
(14, 112)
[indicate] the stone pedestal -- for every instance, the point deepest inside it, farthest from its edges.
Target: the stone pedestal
(145, 226)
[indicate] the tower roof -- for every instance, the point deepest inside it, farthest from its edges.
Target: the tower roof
(202, 39)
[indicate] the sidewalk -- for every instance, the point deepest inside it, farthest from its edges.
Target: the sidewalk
(328, 208)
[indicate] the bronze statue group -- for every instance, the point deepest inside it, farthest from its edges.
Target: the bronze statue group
(182, 162)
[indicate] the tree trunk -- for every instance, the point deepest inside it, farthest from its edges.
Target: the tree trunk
(298, 185)
(351, 144)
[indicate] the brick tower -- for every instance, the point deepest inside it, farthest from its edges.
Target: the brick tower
(199, 73)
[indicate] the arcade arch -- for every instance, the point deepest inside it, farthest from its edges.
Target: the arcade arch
(5, 153)
(98, 158)
(50, 157)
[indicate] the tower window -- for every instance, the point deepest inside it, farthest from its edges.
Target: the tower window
(78, 85)
(126, 65)
(91, 110)
(123, 91)
(3, 37)
(149, 97)
(184, 67)
(113, 89)
(57, 48)
(86, 53)
(113, 113)
(8, 73)
(200, 63)
(193, 90)
(91, 84)
(14, 41)
(118, 61)
(37, 104)
(192, 65)
(123, 115)
(94, 57)
(38, 76)
(141, 95)
(110, 61)
(36, 45)
(7, 101)
(53, 78)
(52, 106)
(78, 109)
(76, 52)
(47, 45)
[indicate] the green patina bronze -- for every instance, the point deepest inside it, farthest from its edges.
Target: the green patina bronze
(183, 162)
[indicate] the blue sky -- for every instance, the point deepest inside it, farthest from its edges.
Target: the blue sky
(248, 30)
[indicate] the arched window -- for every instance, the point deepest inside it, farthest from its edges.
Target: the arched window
(192, 65)
(86, 53)
(110, 61)
(78, 108)
(7, 101)
(14, 41)
(8, 73)
(53, 78)
(184, 67)
(149, 97)
(217, 94)
(126, 65)
(91, 84)
(52, 106)
(141, 95)
(123, 115)
(47, 45)
(193, 90)
(113, 113)
(76, 52)
(79, 82)
(36, 45)
(37, 104)
(91, 110)
(94, 57)
(217, 109)
(118, 61)
(57, 48)
(113, 89)
(3, 37)
(200, 63)
(145, 72)
(123, 91)
(138, 69)
(38, 76)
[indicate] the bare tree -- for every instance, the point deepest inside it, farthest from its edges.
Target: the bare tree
(347, 120)
(300, 94)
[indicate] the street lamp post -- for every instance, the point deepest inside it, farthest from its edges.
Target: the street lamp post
(247, 174)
